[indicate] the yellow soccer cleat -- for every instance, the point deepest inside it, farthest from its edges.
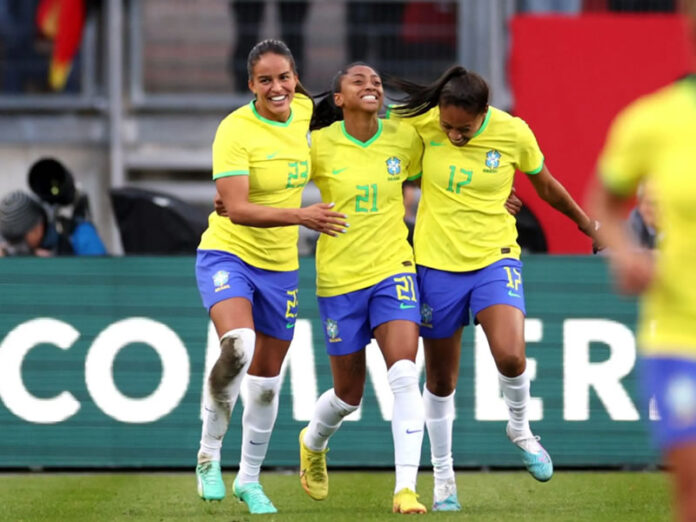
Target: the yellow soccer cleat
(313, 475)
(406, 503)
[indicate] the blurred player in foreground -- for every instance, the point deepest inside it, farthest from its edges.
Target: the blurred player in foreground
(653, 140)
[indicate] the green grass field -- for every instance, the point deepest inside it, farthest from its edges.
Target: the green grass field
(504, 496)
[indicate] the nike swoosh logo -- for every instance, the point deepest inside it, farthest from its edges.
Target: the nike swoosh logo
(409, 432)
(338, 171)
(513, 294)
(289, 325)
(271, 156)
(435, 143)
(256, 443)
(405, 306)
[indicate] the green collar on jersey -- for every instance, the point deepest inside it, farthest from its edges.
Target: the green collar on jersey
(266, 120)
(484, 124)
(357, 141)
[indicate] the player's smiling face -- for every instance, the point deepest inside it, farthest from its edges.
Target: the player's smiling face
(273, 82)
(459, 124)
(361, 90)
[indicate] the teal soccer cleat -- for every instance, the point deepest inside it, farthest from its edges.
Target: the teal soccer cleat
(445, 496)
(209, 477)
(252, 494)
(534, 456)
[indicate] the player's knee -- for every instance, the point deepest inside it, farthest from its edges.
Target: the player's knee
(236, 351)
(262, 390)
(511, 364)
(403, 376)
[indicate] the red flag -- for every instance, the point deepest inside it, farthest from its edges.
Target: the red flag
(62, 21)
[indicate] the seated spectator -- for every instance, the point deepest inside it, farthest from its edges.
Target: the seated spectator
(642, 219)
(23, 225)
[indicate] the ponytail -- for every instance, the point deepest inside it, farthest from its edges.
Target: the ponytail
(456, 86)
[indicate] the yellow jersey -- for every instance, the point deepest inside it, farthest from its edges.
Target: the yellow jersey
(364, 180)
(276, 158)
(461, 223)
(654, 139)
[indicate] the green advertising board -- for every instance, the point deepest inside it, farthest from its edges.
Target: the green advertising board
(102, 364)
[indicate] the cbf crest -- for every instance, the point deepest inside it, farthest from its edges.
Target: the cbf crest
(492, 159)
(332, 331)
(394, 166)
(220, 280)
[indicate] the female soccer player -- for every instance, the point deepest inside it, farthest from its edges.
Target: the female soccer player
(653, 140)
(247, 265)
(467, 256)
(366, 281)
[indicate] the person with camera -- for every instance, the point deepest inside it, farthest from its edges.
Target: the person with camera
(22, 226)
(58, 223)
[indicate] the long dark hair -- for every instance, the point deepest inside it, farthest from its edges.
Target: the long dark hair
(456, 86)
(275, 47)
(326, 112)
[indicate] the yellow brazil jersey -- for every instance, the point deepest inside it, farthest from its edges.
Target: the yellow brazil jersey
(654, 139)
(364, 180)
(276, 158)
(462, 224)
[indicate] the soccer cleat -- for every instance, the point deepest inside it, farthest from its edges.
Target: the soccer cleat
(252, 494)
(209, 478)
(313, 475)
(534, 456)
(445, 496)
(406, 503)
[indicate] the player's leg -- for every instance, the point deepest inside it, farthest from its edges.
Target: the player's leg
(398, 340)
(275, 313)
(227, 295)
(671, 383)
(346, 332)
(442, 370)
(498, 304)
(444, 312)
(332, 407)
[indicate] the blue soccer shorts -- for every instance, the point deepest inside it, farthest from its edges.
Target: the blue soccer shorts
(672, 382)
(349, 319)
(273, 295)
(448, 298)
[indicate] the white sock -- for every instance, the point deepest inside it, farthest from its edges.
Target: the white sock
(260, 412)
(439, 417)
(222, 389)
(329, 413)
(408, 418)
(516, 394)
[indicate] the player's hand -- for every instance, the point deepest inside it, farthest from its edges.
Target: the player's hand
(220, 209)
(321, 218)
(634, 271)
(513, 204)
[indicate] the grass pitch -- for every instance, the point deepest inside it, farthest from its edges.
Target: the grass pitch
(495, 496)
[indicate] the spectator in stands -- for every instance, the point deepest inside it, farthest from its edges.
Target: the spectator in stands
(373, 32)
(549, 6)
(23, 224)
(248, 15)
(642, 219)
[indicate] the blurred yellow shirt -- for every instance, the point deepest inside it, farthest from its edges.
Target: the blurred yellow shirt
(654, 139)
(461, 223)
(276, 158)
(364, 180)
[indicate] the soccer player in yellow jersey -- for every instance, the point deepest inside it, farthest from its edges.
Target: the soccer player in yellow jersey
(653, 140)
(366, 281)
(247, 265)
(467, 256)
